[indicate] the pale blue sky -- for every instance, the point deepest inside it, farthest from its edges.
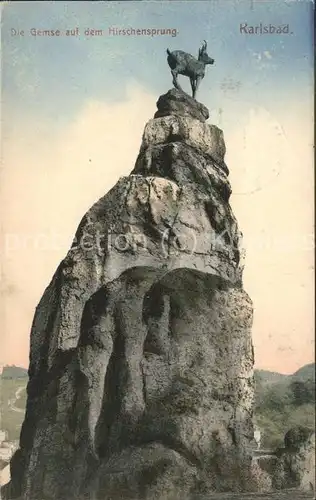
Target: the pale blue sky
(53, 76)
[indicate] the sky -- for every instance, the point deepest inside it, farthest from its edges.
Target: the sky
(73, 113)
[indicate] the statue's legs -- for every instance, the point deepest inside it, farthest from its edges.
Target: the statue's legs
(192, 81)
(175, 79)
(196, 85)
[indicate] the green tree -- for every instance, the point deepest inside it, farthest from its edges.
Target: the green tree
(302, 392)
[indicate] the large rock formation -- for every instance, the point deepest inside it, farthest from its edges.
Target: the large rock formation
(141, 364)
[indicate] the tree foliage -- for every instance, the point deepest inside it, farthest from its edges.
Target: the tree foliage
(284, 402)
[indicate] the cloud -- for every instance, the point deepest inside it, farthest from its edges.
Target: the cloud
(271, 165)
(51, 176)
(267, 54)
(261, 150)
(262, 60)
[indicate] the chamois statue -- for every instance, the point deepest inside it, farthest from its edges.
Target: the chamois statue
(182, 63)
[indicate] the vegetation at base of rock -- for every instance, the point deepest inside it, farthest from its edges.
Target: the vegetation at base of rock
(284, 402)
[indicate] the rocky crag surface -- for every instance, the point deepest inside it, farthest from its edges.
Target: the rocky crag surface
(294, 465)
(141, 363)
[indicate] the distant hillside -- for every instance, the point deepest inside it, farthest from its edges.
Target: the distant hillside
(13, 372)
(307, 372)
(270, 385)
(266, 378)
(283, 401)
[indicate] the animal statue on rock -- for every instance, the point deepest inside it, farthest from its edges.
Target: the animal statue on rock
(182, 63)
